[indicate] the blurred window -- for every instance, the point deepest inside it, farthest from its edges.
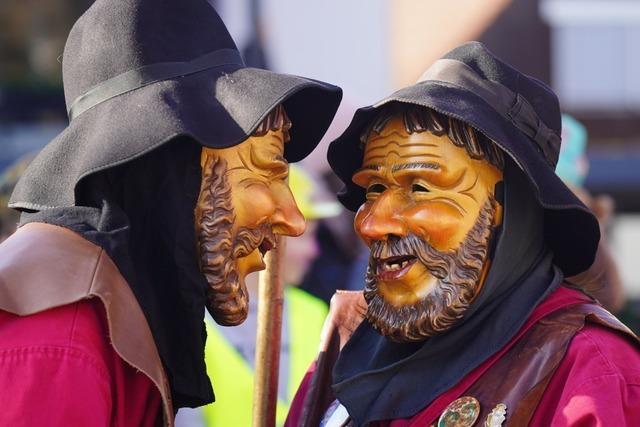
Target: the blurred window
(594, 53)
(624, 239)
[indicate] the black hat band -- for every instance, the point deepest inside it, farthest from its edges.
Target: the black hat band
(148, 74)
(511, 105)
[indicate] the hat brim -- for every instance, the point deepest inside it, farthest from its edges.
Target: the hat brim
(571, 228)
(218, 108)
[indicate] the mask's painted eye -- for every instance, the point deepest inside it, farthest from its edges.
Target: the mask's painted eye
(375, 189)
(418, 188)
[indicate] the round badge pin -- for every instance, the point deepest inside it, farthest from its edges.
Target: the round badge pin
(462, 412)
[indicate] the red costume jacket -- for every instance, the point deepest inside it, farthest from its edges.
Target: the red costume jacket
(595, 382)
(75, 347)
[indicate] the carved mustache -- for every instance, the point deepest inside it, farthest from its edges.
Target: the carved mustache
(462, 266)
(397, 252)
(247, 240)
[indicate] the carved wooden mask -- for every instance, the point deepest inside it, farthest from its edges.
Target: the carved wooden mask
(428, 218)
(244, 201)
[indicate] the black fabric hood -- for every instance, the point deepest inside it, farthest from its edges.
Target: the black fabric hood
(519, 113)
(141, 213)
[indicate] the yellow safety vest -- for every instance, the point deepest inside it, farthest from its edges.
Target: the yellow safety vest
(233, 377)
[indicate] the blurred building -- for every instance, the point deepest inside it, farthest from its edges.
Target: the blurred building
(32, 108)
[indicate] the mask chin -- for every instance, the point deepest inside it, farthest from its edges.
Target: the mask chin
(233, 311)
(228, 297)
(250, 264)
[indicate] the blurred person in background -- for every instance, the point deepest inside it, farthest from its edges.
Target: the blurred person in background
(339, 248)
(230, 352)
(339, 245)
(164, 191)
(602, 279)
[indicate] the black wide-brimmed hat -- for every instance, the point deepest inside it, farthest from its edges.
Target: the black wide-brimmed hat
(139, 73)
(519, 113)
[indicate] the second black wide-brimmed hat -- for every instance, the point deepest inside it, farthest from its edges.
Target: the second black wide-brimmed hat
(139, 73)
(519, 113)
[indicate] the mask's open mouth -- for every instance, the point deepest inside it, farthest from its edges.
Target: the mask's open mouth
(266, 245)
(394, 268)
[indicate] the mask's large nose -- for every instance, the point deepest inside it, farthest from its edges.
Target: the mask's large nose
(287, 220)
(383, 219)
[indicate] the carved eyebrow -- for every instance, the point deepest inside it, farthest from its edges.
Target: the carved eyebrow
(278, 158)
(416, 165)
(371, 157)
(279, 167)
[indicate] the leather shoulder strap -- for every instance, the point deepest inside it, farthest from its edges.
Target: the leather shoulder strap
(600, 316)
(44, 266)
(521, 376)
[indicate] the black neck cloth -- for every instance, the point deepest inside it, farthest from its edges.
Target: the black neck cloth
(142, 214)
(377, 379)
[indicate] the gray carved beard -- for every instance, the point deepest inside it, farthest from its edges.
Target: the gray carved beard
(458, 272)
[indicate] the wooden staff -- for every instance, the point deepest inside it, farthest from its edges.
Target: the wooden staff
(267, 363)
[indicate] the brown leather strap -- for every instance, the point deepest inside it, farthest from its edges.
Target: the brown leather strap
(320, 395)
(346, 312)
(44, 266)
(521, 376)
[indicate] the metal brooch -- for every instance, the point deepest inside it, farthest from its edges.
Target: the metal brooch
(462, 412)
